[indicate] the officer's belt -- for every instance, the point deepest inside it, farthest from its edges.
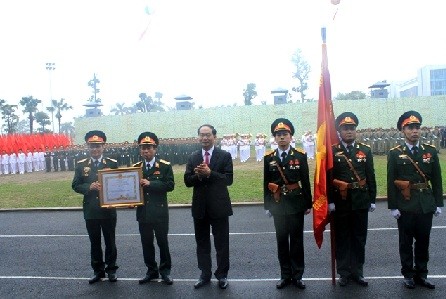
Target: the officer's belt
(356, 185)
(292, 187)
(420, 186)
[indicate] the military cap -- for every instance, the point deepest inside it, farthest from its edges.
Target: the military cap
(148, 138)
(407, 118)
(346, 118)
(282, 124)
(95, 137)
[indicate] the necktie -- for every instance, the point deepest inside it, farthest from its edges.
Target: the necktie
(415, 150)
(283, 155)
(350, 148)
(206, 157)
(96, 163)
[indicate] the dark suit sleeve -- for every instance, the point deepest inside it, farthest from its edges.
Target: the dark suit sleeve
(190, 178)
(392, 201)
(370, 177)
(224, 172)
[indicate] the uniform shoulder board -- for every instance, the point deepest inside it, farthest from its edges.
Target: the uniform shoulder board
(113, 160)
(429, 145)
(398, 147)
(164, 162)
(269, 152)
(82, 161)
(299, 150)
(138, 164)
(360, 143)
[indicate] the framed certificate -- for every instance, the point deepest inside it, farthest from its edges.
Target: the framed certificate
(120, 187)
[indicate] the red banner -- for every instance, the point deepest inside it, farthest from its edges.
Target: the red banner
(35, 142)
(326, 137)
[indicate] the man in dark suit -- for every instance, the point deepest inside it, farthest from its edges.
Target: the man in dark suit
(85, 182)
(210, 172)
(287, 197)
(352, 197)
(414, 195)
(153, 216)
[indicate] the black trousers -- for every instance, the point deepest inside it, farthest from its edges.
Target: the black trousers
(108, 228)
(351, 236)
(290, 245)
(220, 231)
(414, 227)
(161, 230)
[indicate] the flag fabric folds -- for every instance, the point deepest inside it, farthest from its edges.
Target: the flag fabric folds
(326, 137)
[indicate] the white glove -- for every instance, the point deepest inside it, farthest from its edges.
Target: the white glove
(331, 207)
(437, 212)
(395, 213)
(268, 213)
(372, 207)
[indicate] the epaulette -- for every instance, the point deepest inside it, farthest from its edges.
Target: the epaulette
(113, 160)
(360, 143)
(299, 150)
(164, 162)
(82, 161)
(138, 164)
(429, 145)
(269, 152)
(398, 147)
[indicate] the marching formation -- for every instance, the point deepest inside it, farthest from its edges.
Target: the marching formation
(414, 197)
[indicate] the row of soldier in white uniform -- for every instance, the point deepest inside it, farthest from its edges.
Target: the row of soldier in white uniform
(239, 145)
(21, 162)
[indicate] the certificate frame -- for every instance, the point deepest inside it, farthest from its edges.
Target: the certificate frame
(120, 187)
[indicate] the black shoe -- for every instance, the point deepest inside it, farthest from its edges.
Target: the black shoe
(167, 279)
(97, 277)
(343, 281)
(148, 278)
(361, 281)
(112, 277)
(423, 282)
(299, 284)
(409, 283)
(223, 283)
(283, 283)
(201, 282)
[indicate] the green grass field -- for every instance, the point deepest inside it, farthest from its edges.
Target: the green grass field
(54, 189)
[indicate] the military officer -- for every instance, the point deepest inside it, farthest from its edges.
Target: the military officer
(287, 197)
(153, 216)
(352, 197)
(414, 195)
(97, 219)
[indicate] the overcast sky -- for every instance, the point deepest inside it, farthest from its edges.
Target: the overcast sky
(208, 49)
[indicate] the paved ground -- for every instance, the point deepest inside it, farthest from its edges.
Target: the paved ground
(46, 254)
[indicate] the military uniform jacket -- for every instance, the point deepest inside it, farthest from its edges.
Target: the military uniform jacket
(362, 161)
(295, 169)
(85, 174)
(399, 167)
(155, 208)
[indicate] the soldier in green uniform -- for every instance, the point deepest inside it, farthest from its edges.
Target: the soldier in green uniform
(414, 195)
(97, 219)
(287, 197)
(153, 216)
(352, 197)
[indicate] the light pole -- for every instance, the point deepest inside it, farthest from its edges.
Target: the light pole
(50, 66)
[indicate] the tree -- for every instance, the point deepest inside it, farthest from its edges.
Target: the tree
(30, 107)
(353, 95)
(249, 93)
(60, 106)
(11, 119)
(119, 109)
(67, 129)
(51, 110)
(147, 104)
(42, 119)
(93, 83)
(302, 69)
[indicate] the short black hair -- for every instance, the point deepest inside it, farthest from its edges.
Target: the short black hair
(214, 132)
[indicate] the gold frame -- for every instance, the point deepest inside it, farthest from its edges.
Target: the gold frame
(105, 176)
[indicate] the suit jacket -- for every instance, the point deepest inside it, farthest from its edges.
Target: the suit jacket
(85, 174)
(295, 169)
(210, 195)
(399, 167)
(361, 159)
(155, 208)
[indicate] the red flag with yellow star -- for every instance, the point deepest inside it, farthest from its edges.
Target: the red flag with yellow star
(326, 136)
